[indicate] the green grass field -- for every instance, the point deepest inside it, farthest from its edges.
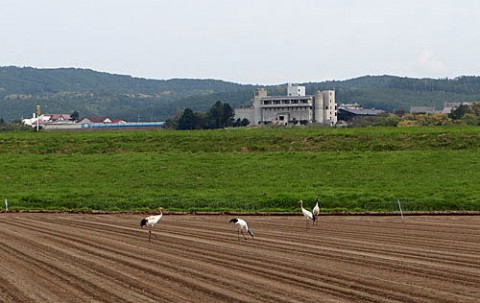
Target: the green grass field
(363, 169)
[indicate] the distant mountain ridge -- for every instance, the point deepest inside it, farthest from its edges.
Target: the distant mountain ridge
(92, 93)
(74, 79)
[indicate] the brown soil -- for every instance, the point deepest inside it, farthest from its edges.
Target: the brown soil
(108, 258)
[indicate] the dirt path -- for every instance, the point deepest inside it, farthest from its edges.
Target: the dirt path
(107, 258)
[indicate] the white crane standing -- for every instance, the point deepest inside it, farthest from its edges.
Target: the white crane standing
(307, 214)
(151, 221)
(241, 225)
(316, 213)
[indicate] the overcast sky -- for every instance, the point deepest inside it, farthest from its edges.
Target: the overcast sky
(245, 41)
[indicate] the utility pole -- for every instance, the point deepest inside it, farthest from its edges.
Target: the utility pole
(37, 111)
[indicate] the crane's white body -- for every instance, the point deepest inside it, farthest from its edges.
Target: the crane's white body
(307, 214)
(150, 222)
(241, 225)
(316, 212)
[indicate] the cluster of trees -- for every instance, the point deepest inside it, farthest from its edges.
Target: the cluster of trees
(220, 115)
(437, 119)
(465, 110)
(462, 115)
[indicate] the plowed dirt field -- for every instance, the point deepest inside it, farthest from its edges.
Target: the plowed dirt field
(108, 258)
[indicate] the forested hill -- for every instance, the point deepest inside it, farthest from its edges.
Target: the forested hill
(89, 92)
(41, 81)
(65, 90)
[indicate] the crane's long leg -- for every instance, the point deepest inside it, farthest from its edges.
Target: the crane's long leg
(149, 235)
(244, 235)
(238, 234)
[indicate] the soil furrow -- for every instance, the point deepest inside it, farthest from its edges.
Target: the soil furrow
(108, 258)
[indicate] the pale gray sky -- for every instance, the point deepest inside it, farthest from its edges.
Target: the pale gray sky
(245, 41)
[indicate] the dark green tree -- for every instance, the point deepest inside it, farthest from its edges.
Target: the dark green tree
(241, 122)
(220, 115)
(188, 120)
(215, 115)
(459, 112)
(244, 122)
(75, 116)
(237, 122)
(201, 118)
(228, 114)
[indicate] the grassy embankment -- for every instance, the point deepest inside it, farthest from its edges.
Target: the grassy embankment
(247, 169)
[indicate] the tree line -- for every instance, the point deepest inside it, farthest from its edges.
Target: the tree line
(220, 115)
(464, 114)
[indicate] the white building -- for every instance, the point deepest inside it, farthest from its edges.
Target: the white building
(294, 108)
(47, 119)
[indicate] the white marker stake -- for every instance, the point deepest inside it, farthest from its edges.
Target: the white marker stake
(6, 205)
(400, 207)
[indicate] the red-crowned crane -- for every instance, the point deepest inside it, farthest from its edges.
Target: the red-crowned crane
(151, 221)
(316, 213)
(307, 214)
(241, 225)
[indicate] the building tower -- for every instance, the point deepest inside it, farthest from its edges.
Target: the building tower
(295, 90)
(330, 107)
(257, 105)
(318, 114)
